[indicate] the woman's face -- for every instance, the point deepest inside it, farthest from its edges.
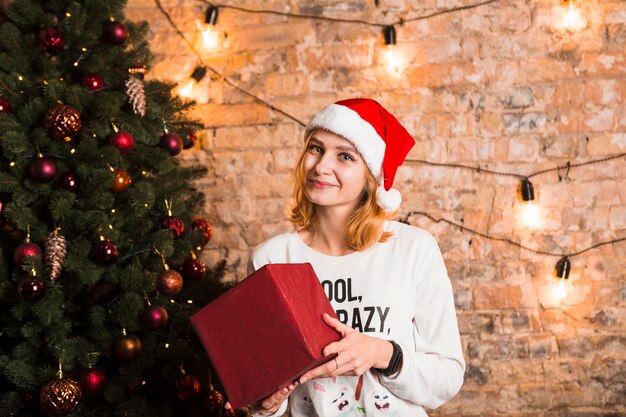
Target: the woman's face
(335, 172)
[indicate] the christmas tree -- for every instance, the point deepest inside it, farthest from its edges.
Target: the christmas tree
(99, 223)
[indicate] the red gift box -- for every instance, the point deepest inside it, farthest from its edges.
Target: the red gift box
(266, 331)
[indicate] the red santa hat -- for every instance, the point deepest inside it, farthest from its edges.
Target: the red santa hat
(376, 134)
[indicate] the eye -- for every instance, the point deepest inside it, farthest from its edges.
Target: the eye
(377, 397)
(315, 149)
(346, 157)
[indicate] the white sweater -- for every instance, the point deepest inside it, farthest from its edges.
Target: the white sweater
(398, 290)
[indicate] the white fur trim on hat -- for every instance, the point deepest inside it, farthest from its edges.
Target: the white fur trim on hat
(388, 200)
(347, 123)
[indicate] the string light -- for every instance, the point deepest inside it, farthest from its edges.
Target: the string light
(211, 37)
(571, 18)
(529, 209)
(394, 60)
(562, 269)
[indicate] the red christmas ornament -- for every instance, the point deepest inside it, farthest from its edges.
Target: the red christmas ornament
(31, 289)
(122, 140)
(154, 317)
(115, 33)
(175, 226)
(205, 227)
(187, 387)
(26, 249)
(169, 282)
(43, 170)
(92, 380)
(5, 105)
(93, 82)
(122, 181)
(105, 252)
(189, 140)
(194, 269)
(213, 402)
(127, 347)
(172, 143)
(67, 181)
(51, 40)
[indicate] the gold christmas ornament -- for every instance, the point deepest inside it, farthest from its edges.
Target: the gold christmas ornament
(55, 250)
(63, 122)
(170, 282)
(60, 397)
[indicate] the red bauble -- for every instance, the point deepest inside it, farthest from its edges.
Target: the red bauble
(5, 105)
(172, 143)
(105, 252)
(169, 282)
(189, 140)
(92, 380)
(122, 140)
(154, 317)
(67, 181)
(114, 33)
(213, 402)
(122, 181)
(127, 347)
(93, 82)
(25, 250)
(51, 40)
(187, 387)
(175, 226)
(31, 289)
(194, 269)
(43, 170)
(205, 227)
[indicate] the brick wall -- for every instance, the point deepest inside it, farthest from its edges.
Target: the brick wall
(501, 86)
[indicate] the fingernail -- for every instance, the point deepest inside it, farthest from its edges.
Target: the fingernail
(303, 379)
(227, 406)
(284, 390)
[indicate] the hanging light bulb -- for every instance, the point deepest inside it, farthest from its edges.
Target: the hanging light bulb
(189, 91)
(210, 35)
(572, 18)
(563, 267)
(529, 210)
(394, 61)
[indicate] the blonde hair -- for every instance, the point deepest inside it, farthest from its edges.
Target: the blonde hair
(365, 226)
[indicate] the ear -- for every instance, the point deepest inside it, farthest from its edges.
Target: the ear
(319, 387)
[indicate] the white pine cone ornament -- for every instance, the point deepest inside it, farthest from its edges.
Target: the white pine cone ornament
(55, 250)
(136, 95)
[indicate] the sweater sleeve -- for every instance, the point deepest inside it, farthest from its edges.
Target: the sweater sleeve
(433, 368)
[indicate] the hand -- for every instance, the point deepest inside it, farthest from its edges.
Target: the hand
(356, 353)
(271, 404)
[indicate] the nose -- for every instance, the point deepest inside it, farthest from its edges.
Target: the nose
(324, 164)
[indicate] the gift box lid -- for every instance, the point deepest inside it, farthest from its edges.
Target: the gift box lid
(266, 331)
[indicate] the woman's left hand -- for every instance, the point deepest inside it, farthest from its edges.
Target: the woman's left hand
(356, 353)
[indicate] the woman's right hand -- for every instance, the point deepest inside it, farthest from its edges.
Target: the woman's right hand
(272, 403)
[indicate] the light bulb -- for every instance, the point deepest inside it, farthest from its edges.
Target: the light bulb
(560, 290)
(210, 36)
(530, 214)
(187, 90)
(394, 60)
(572, 18)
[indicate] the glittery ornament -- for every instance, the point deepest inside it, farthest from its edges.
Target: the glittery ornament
(51, 40)
(43, 170)
(213, 402)
(105, 252)
(187, 387)
(175, 226)
(172, 143)
(189, 140)
(92, 380)
(93, 82)
(194, 269)
(63, 122)
(31, 289)
(154, 317)
(60, 397)
(204, 227)
(169, 282)
(25, 250)
(67, 181)
(114, 32)
(121, 182)
(136, 95)
(122, 140)
(5, 105)
(55, 254)
(127, 347)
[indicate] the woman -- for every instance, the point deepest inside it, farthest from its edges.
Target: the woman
(400, 349)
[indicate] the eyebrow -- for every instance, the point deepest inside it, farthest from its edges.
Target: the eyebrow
(343, 148)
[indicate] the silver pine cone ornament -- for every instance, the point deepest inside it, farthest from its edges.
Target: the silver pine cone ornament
(55, 250)
(136, 95)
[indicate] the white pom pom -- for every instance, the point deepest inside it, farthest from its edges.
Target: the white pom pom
(388, 200)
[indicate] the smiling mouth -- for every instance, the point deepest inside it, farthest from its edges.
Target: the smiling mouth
(321, 184)
(383, 407)
(343, 405)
